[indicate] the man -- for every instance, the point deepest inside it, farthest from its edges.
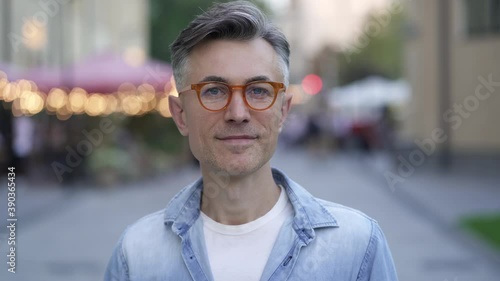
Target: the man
(243, 220)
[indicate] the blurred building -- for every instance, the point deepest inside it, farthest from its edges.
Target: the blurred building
(453, 66)
(59, 32)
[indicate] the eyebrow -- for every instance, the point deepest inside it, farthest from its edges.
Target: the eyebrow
(213, 78)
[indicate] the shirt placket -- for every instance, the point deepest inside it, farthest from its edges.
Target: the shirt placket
(192, 262)
(194, 253)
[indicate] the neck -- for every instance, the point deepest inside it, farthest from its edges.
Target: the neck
(237, 200)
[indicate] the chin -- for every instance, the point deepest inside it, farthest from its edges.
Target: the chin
(237, 167)
(231, 164)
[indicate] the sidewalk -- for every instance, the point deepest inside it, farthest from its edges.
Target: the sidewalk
(450, 194)
(74, 240)
(33, 201)
(445, 197)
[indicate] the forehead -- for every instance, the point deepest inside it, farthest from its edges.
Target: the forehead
(233, 60)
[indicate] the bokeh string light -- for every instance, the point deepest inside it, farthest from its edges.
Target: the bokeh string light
(28, 100)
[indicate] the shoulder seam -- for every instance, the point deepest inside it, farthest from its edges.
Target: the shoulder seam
(123, 257)
(340, 206)
(368, 253)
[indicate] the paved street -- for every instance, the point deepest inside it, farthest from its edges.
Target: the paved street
(70, 235)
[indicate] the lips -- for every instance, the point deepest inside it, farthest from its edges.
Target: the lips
(237, 140)
(237, 137)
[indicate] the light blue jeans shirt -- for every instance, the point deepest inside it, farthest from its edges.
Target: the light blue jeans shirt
(323, 241)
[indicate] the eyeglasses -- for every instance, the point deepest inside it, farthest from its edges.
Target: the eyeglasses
(216, 96)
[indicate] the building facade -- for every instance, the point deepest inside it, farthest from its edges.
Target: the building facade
(452, 61)
(59, 32)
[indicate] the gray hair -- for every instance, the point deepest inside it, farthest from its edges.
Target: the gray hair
(238, 20)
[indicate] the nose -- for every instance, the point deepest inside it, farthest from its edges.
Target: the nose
(237, 111)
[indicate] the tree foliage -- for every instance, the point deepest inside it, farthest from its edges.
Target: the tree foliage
(375, 53)
(169, 18)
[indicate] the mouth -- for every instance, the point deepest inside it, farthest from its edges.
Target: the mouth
(237, 139)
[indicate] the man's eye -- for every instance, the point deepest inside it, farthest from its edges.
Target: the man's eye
(213, 92)
(259, 92)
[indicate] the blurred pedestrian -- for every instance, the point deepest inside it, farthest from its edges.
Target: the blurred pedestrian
(386, 129)
(243, 220)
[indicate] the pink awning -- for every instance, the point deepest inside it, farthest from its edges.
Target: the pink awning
(102, 74)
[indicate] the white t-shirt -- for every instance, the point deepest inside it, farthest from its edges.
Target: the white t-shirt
(240, 252)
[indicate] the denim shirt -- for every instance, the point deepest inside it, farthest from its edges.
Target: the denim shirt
(323, 241)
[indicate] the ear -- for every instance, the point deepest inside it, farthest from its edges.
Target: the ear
(178, 114)
(285, 107)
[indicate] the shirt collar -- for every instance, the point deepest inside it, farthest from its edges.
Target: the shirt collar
(183, 210)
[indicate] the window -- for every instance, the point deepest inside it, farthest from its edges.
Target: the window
(483, 16)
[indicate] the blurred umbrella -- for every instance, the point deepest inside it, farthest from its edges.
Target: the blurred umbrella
(363, 99)
(9, 70)
(371, 92)
(45, 78)
(106, 73)
(102, 74)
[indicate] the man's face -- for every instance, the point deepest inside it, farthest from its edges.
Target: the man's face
(237, 140)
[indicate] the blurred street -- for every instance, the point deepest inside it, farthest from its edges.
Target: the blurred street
(66, 235)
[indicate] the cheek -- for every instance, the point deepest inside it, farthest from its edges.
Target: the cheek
(200, 128)
(271, 123)
(198, 140)
(275, 119)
